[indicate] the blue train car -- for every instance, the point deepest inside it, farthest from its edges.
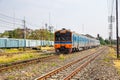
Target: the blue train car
(19, 43)
(67, 41)
(12, 43)
(3, 42)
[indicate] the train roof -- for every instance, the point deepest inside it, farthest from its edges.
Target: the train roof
(86, 35)
(63, 29)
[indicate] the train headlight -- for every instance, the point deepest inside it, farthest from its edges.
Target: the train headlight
(57, 46)
(68, 46)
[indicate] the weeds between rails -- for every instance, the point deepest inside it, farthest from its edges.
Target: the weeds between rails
(54, 72)
(5, 67)
(13, 65)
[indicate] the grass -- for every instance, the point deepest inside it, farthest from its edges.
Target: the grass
(15, 50)
(106, 59)
(117, 65)
(47, 48)
(19, 57)
(62, 57)
(92, 50)
(112, 55)
(28, 74)
(53, 64)
(11, 77)
(12, 50)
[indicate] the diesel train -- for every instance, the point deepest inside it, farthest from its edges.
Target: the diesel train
(19, 43)
(67, 41)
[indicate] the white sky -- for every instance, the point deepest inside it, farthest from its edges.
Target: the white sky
(81, 16)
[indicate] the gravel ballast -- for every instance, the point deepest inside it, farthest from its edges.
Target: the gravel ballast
(97, 70)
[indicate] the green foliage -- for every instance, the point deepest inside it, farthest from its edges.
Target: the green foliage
(11, 77)
(12, 50)
(18, 57)
(53, 64)
(107, 41)
(102, 42)
(62, 57)
(39, 34)
(17, 33)
(6, 34)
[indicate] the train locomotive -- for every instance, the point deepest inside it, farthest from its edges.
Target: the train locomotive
(66, 41)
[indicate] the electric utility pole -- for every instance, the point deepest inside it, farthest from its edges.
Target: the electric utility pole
(110, 28)
(24, 34)
(117, 29)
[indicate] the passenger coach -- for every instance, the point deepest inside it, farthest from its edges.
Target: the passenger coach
(67, 41)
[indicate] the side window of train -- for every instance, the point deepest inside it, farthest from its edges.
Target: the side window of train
(68, 36)
(75, 38)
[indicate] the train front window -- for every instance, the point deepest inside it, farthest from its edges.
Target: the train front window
(57, 36)
(63, 36)
(68, 36)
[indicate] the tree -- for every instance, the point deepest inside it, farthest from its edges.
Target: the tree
(5, 34)
(102, 42)
(39, 34)
(107, 41)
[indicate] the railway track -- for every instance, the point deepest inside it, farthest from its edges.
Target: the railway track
(73, 68)
(18, 64)
(10, 54)
(14, 65)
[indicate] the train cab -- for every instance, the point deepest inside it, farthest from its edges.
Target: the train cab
(63, 41)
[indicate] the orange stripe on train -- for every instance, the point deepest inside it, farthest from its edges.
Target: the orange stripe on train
(65, 45)
(57, 46)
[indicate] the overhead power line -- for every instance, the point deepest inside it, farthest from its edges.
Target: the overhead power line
(10, 22)
(32, 25)
(8, 27)
(112, 7)
(10, 17)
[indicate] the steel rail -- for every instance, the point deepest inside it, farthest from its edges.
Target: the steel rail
(26, 62)
(44, 77)
(5, 67)
(80, 68)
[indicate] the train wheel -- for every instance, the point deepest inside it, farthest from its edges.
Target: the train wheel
(73, 50)
(70, 50)
(57, 51)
